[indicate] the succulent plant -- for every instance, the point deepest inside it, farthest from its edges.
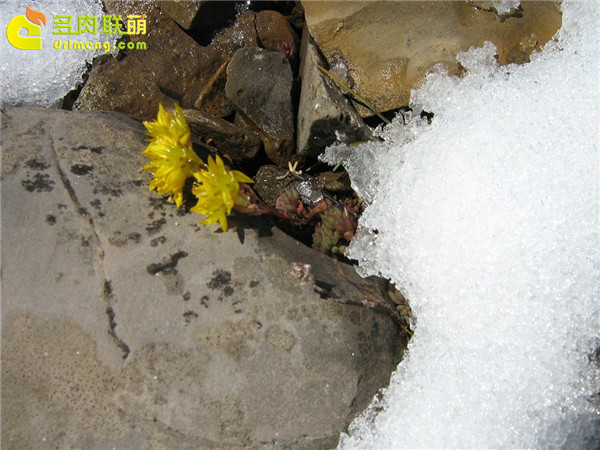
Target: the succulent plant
(402, 305)
(324, 239)
(335, 230)
(219, 189)
(289, 200)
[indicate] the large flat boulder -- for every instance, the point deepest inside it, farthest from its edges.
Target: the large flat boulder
(127, 324)
(385, 49)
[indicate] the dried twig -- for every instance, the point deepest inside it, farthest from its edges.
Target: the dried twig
(354, 93)
(303, 273)
(370, 301)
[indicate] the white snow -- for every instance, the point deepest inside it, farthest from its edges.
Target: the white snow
(506, 6)
(43, 77)
(488, 220)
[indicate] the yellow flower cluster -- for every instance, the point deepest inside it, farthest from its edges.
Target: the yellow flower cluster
(218, 190)
(173, 161)
(172, 158)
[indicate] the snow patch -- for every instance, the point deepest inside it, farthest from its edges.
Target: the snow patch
(488, 220)
(43, 77)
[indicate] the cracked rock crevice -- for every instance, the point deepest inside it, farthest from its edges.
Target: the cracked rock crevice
(107, 291)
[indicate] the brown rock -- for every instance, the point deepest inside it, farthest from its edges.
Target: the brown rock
(241, 34)
(182, 12)
(212, 100)
(173, 67)
(271, 181)
(335, 181)
(275, 33)
(238, 143)
(384, 49)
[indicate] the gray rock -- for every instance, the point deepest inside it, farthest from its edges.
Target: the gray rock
(259, 84)
(240, 144)
(323, 109)
(126, 324)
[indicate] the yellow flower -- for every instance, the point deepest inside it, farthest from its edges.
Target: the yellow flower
(218, 191)
(172, 158)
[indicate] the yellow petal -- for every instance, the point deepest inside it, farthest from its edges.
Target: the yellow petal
(242, 177)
